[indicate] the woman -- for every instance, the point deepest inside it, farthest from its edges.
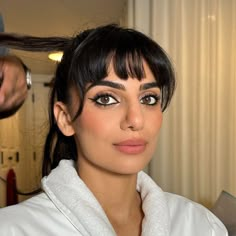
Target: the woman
(108, 95)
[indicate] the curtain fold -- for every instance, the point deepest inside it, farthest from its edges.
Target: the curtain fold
(196, 153)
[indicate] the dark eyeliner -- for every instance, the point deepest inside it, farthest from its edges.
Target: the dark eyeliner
(157, 98)
(102, 95)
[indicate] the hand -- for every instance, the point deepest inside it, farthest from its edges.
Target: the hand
(13, 87)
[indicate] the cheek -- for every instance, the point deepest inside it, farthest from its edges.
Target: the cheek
(92, 125)
(102, 125)
(154, 122)
(159, 118)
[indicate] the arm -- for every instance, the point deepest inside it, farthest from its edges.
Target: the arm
(13, 85)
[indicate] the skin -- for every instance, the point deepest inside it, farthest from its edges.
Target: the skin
(13, 87)
(132, 111)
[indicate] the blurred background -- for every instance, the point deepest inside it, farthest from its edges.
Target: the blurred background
(196, 152)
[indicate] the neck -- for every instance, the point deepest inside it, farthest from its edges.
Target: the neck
(115, 192)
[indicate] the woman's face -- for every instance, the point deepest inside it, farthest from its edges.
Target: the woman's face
(118, 128)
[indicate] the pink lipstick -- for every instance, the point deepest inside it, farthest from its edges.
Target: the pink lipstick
(131, 146)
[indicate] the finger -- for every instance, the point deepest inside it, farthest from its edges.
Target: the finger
(13, 89)
(8, 95)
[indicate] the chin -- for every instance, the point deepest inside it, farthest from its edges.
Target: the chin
(131, 168)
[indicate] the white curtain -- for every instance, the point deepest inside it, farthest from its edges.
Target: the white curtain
(196, 153)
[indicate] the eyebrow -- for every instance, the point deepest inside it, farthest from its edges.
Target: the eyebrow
(148, 86)
(107, 83)
(121, 86)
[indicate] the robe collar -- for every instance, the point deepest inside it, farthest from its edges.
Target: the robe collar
(73, 198)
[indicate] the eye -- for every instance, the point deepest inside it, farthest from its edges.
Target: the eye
(150, 99)
(104, 100)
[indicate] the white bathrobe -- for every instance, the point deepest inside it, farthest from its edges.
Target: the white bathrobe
(67, 207)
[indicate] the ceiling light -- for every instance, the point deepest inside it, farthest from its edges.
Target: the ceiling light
(55, 56)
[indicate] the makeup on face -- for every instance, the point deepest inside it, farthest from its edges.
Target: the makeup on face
(104, 98)
(131, 146)
(120, 120)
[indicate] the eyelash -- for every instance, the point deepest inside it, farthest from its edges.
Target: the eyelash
(157, 98)
(104, 95)
(96, 98)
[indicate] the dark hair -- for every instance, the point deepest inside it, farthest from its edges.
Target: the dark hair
(86, 59)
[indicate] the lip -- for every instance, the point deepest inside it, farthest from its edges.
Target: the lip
(131, 146)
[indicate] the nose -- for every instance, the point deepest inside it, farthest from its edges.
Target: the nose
(133, 118)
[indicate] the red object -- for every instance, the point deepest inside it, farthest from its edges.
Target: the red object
(11, 188)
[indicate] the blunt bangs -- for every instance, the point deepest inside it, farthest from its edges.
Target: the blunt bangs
(125, 50)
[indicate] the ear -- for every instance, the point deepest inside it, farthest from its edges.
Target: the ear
(63, 119)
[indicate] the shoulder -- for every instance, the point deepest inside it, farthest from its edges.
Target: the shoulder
(22, 218)
(32, 203)
(186, 214)
(36, 203)
(183, 216)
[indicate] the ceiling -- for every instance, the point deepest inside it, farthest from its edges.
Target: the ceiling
(56, 18)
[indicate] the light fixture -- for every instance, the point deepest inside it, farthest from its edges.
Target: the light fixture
(55, 56)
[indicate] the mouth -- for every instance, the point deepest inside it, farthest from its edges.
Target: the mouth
(132, 146)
